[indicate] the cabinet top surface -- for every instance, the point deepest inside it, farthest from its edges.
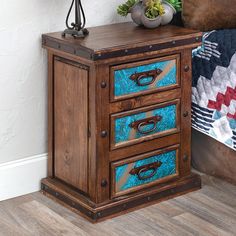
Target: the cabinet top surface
(116, 37)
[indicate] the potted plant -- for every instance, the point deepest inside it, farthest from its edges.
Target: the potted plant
(134, 7)
(151, 18)
(150, 13)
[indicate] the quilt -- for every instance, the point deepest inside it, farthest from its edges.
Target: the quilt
(214, 86)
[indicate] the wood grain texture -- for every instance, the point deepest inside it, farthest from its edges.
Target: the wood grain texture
(92, 152)
(105, 41)
(149, 145)
(50, 170)
(213, 157)
(186, 75)
(211, 211)
(102, 127)
(144, 100)
(71, 124)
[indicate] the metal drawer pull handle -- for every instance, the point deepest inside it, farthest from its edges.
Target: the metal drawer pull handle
(139, 77)
(143, 124)
(138, 125)
(142, 169)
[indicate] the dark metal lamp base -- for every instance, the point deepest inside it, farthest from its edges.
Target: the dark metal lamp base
(76, 33)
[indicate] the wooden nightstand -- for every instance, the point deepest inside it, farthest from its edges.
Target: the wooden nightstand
(119, 118)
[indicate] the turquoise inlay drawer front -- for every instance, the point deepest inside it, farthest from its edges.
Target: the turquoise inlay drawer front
(143, 123)
(144, 77)
(152, 168)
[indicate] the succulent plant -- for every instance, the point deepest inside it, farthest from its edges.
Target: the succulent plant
(150, 13)
(124, 9)
(177, 4)
(154, 8)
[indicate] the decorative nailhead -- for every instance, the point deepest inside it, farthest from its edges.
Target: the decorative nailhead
(104, 183)
(126, 51)
(103, 84)
(57, 194)
(173, 42)
(197, 38)
(103, 133)
(99, 214)
(185, 158)
(186, 68)
(149, 198)
(150, 47)
(185, 114)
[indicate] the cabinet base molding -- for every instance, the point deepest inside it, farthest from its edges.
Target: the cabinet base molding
(80, 204)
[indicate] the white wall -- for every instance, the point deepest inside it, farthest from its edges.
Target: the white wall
(23, 68)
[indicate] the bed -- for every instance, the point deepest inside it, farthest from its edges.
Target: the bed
(214, 105)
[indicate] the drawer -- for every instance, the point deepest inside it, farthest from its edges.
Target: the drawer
(144, 77)
(144, 171)
(144, 124)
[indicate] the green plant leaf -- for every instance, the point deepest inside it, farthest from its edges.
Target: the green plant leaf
(154, 9)
(124, 9)
(177, 4)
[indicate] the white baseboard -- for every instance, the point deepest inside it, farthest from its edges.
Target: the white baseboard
(22, 176)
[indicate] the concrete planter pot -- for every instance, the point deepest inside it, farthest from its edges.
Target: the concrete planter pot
(169, 13)
(151, 23)
(136, 13)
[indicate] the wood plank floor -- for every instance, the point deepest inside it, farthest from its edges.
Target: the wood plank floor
(209, 211)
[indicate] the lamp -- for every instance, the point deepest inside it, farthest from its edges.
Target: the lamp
(77, 28)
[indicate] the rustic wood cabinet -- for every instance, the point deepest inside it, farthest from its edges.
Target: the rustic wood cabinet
(119, 123)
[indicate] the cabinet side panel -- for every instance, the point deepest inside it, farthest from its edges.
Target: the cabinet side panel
(71, 124)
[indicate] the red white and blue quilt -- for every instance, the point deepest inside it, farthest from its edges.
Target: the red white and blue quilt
(214, 86)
